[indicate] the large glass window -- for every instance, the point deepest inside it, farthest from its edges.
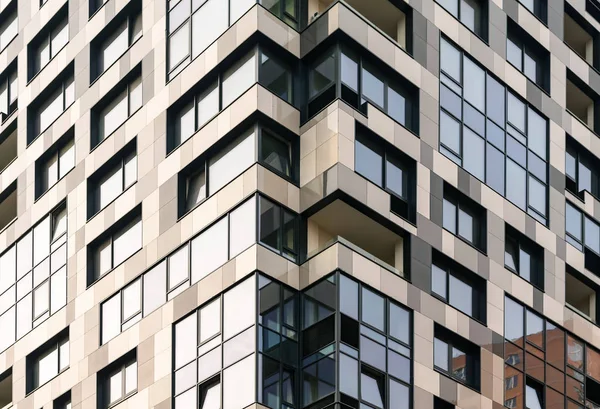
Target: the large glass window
(9, 91)
(112, 179)
(457, 286)
(464, 218)
(51, 39)
(278, 229)
(116, 107)
(112, 248)
(48, 361)
(361, 81)
(388, 169)
(117, 381)
(493, 135)
(204, 177)
(456, 357)
(55, 163)
(115, 39)
(33, 277)
(51, 103)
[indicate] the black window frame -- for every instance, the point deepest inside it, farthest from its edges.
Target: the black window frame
(475, 282)
(471, 352)
(291, 254)
(404, 207)
(54, 150)
(337, 89)
(483, 23)
(530, 47)
(117, 160)
(540, 10)
(62, 401)
(103, 379)
(5, 77)
(478, 214)
(46, 34)
(32, 359)
(581, 157)
(520, 242)
(128, 14)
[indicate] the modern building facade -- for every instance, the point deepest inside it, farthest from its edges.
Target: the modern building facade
(287, 204)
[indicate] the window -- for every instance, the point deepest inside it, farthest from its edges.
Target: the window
(581, 36)
(278, 229)
(205, 176)
(202, 104)
(582, 231)
(581, 169)
(48, 361)
(55, 163)
(581, 294)
(51, 103)
(457, 286)
(8, 145)
(472, 13)
(8, 205)
(524, 257)
(441, 404)
(527, 56)
(492, 134)
(456, 357)
(47, 44)
(388, 169)
(287, 10)
(121, 311)
(582, 102)
(6, 387)
(115, 39)
(117, 244)
(538, 8)
(464, 218)
(63, 402)
(118, 381)
(361, 81)
(534, 394)
(193, 26)
(117, 106)
(9, 28)
(112, 179)
(9, 91)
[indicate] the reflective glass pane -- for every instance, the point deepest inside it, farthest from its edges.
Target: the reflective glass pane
(440, 354)
(450, 136)
(516, 190)
(449, 216)
(450, 60)
(473, 154)
(495, 169)
(474, 88)
(229, 163)
(461, 295)
(513, 321)
(186, 341)
(368, 162)
(371, 390)
(208, 23)
(373, 309)
(238, 79)
(373, 87)
(466, 226)
(400, 323)
(438, 281)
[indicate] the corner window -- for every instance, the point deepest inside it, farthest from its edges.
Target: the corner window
(389, 169)
(112, 179)
(456, 357)
(115, 39)
(55, 163)
(472, 13)
(51, 103)
(117, 244)
(47, 44)
(278, 229)
(343, 73)
(524, 257)
(581, 169)
(118, 381)
(492, 134)
(48, 361)
(528, 56)
(116, 107)
(9, 91)
(464, 218)
(457, 286)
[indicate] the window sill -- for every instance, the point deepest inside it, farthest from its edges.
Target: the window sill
(440, 298)
(37, 74)
(9, 116)
(463, 24)
(445, 374)
(527, 281)
(582, 58)
(547, 92)
(581, 314)
(115, 62)
(106, 273)
(581, 122)
(116, 129)
(123, 399)
(29, 143)
(467, 242)
(111, 202)
(6, 46)
(533, 14)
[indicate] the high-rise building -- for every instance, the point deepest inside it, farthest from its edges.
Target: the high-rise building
(299, 204)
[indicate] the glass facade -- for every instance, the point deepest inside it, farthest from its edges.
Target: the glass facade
(284, 346)
(490, 132)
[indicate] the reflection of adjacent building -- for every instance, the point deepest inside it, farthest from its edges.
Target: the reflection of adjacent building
(541, 359)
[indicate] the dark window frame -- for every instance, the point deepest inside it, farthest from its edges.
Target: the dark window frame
(51, 152)
(45, 33)
(530, 47)
(483, 23)
(520, 242)
(62, 401)
(478, 214)
(471, 352)
(32, 359)
(10, 73)
(581, 155)
(103, 379)
(404, 207)
(117, 160)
